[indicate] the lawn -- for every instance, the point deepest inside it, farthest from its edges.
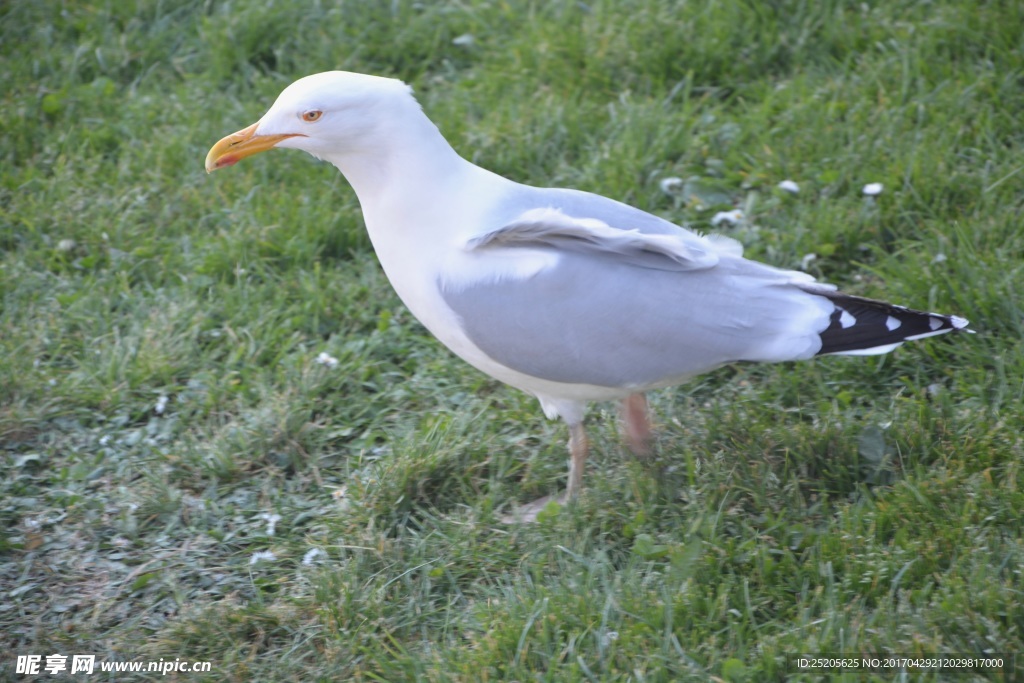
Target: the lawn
(183, 479)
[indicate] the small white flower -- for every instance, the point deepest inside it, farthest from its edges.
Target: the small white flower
(66, 245)
(161, 405)
(733, 217)
(271, 519)
(873, 189)
(789, 186)
(805, 262)
(327, 359)
(465, 40)
(262, 556)
(671, 185)
(311, 555)
(940, 258)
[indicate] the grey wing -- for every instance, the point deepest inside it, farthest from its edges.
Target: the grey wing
(599, 319)
(579, 204)
(586, 206)
(551, 228)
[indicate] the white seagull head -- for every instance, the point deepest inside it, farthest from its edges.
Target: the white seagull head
(330, 114)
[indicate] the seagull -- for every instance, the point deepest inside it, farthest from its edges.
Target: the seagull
(569, 296)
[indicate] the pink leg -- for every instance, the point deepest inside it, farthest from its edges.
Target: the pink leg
(578, 447)
(637, 424)
(577, 459)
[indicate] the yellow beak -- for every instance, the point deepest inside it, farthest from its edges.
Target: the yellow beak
(237, 146)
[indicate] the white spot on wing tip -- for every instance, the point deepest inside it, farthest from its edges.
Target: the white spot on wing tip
(846, 319)
(892, 323)
(942, 325)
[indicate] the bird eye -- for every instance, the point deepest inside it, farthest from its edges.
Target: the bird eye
(311, 115)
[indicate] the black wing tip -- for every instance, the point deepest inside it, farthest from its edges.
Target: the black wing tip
(867, 326)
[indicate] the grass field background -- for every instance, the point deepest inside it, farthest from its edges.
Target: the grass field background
(182, 479)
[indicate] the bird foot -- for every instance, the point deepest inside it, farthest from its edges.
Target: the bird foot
(527, 514)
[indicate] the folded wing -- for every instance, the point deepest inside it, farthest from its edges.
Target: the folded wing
(621, 308)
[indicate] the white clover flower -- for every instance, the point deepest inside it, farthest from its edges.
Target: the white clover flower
(327, 359)
(262, 556)
(789, 186)
(311, 555)
(161, 405)
(733, 217)
(873, 189)
(271, 519)
(671, 185)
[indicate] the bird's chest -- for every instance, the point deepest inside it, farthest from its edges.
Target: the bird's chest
(424, 254)
(416, 249)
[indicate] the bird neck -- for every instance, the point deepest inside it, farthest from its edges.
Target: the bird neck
(404, 155)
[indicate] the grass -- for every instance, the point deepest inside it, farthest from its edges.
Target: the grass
(850, 506)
